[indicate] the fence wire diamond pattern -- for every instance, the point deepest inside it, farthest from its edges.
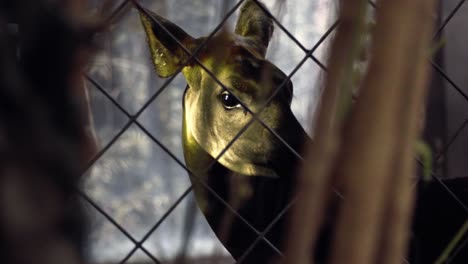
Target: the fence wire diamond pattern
(133, 124)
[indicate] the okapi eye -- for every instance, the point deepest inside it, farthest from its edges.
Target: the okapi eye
(228, 100)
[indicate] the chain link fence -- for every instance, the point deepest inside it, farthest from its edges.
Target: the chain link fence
(141, 218)
(440, 142)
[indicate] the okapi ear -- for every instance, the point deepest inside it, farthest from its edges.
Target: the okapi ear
(167, 55)
(255, 24)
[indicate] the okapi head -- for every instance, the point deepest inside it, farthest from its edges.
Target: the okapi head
(213, 114)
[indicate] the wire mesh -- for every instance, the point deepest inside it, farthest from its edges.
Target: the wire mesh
(133, 120)
(308, 55)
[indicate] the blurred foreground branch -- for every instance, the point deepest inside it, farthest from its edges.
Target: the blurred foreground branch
(370, 155)
(314, 188)
(43, 139)
(377, 158)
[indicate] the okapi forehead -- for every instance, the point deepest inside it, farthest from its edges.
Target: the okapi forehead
(264, 74)
(242, 62)
(250, 66)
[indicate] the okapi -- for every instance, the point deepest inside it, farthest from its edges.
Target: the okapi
(255, 174)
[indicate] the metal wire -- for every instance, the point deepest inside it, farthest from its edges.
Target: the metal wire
(192, 57)
(457, 88)
(447, 20)
(450, 142)
(133, 120)
(197, 177)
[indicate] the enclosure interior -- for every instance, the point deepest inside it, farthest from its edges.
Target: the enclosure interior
(143, 189)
